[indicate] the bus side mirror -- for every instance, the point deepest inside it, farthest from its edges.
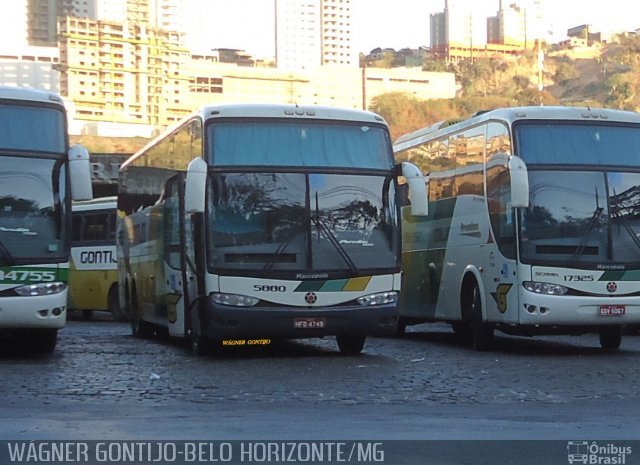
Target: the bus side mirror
(80, 173)
(417, 189)
(196, 183)
(519, 183)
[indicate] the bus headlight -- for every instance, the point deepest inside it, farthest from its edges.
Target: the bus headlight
(234, 300)
(545, 288)
(380, 298)
(41, 289)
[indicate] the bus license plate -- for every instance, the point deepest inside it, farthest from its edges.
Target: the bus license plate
(612, 310)
(308, 323)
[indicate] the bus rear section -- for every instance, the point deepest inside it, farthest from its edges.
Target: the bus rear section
(93, 274)
(281, 223)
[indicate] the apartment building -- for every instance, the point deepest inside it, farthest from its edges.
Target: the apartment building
(123, 73)
(312, 33)
(458, 33)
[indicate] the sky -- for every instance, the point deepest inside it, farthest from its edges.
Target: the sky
(249, 25)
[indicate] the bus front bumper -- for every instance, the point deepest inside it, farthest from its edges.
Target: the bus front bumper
(220, 321)
(48, 311)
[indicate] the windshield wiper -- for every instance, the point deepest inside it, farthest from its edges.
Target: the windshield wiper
(593, 222)
(322, 227)
(284, 244)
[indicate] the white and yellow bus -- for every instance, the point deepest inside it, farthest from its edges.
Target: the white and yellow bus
(533, 224)
(263, 221)
(39, 174)
(93, 271)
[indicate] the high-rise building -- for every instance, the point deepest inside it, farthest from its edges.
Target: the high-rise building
(13, 25)
(312, 33)
(460, 32)
(125, 64)
(513, 26)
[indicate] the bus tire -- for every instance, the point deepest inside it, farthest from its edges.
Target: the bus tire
(113, 304)
(200, 344)
(350, 344)
(401, 329)
(611, 338)
(480, 332)
(139, 328)
(43, 341)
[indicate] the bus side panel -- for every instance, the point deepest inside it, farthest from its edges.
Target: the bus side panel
(423, 245)
(92, 272)
(500, 289)
(467, 248)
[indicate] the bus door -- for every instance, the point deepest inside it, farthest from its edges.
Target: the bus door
(179, 277)
(501, 265)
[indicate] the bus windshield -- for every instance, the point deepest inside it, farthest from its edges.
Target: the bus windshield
(299, 144)
(584, 144)
(34, 128)
(591, 217)
(299, 222)
(32, 204)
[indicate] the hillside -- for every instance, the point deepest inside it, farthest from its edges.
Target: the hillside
(602, 76)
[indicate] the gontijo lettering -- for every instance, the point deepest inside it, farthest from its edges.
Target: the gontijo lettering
(98, 256)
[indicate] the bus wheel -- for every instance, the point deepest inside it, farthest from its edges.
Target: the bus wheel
(113, 304)
(350, 344)
(610, 338)
(44, 341)
(200, 345)
(401, 329)
(87, 315)
(481, 333)
(139, 328)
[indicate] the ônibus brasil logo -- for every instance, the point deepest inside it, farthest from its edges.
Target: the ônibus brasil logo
(589, 453)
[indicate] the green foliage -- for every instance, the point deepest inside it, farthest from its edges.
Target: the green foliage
(565, 73)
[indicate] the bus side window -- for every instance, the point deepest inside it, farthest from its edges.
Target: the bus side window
(94, 227)
(111, 232)
(76, 228)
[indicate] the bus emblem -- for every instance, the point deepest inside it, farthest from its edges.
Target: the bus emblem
(310, 297)
(612, 287)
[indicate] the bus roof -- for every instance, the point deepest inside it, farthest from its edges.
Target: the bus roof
(32, 95)
(287, 111)
(265, 110)
(510, 115)
(100, 203)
